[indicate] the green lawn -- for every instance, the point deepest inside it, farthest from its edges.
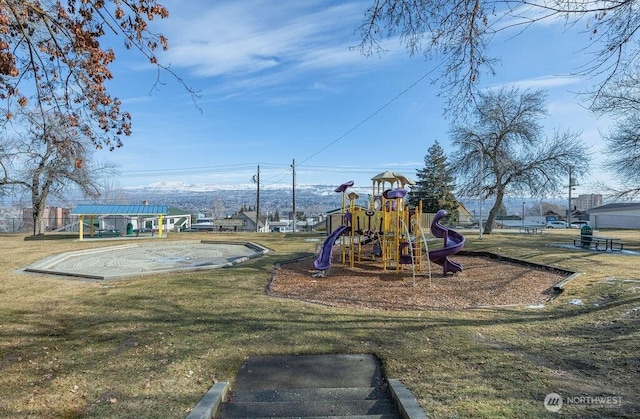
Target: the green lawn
(152, 346)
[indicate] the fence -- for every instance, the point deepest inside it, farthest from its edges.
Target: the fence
(25, 224)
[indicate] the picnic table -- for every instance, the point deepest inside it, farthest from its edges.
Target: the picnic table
(531, 229)
(108, 233)
(610, 243)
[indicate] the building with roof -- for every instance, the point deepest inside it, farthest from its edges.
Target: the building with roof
(616, 215)
(586, 201)
(115, 219)
(249, 222)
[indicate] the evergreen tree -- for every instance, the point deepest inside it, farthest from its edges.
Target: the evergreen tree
(435, 184)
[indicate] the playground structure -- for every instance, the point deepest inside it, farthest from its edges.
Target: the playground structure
(395, 231)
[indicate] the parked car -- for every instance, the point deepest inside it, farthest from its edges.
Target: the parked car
(203, 224)
(557, 224)
(579, 224)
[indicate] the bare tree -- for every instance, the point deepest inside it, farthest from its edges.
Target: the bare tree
(51, 55)
(621, 101)
(503, 150)
(111, 192)
(461, 31)
(51, 156)
(624, 156)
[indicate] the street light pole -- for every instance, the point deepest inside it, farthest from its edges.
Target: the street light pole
(478, 147)
(523, 214)
(540, 207)
(570, 187)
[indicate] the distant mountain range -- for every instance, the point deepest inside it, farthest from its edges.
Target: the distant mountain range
(310, 199)
(221, 199)
(183, 187)
(225, 199)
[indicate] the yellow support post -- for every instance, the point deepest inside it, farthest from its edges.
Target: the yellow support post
(160, 225)
(352, 209)
(81, 226)
(417, 235)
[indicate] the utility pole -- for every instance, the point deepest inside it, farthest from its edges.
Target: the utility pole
(293, 218)
(257, 180)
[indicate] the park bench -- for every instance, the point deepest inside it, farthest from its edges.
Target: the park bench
(609, 243)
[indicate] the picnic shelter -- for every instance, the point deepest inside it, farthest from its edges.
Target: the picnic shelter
(92, 211)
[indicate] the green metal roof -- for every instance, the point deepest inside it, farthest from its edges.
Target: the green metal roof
(119, 210)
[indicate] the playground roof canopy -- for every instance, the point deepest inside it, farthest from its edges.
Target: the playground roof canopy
(91, 209)
(393, 176)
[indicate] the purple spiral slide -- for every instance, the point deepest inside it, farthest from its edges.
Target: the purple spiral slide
(453, 243)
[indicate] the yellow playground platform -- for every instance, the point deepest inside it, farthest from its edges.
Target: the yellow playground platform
(395, 230)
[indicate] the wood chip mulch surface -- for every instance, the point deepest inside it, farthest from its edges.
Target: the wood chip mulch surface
(483, 282)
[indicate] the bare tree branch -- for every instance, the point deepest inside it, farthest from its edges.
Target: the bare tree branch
(460, 32)
(48, 156)
(51, 53)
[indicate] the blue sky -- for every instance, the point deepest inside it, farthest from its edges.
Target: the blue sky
(278, 82)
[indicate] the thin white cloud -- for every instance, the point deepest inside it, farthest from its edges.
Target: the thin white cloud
(242, 38)
(543, 82)
(137, 99)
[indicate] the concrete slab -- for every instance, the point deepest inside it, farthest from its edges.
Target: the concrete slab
(328, 385)
(141, 258)
(309, 371)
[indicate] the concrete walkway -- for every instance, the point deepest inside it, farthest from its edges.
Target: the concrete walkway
(310, 386)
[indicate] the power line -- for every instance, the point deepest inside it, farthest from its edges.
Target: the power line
(380, 109)
(286, 172)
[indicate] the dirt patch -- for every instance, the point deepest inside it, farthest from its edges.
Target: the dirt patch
(484, 281)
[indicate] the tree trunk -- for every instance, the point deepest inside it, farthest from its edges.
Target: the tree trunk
(38, 201)
(38, 215)
(494, 211)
